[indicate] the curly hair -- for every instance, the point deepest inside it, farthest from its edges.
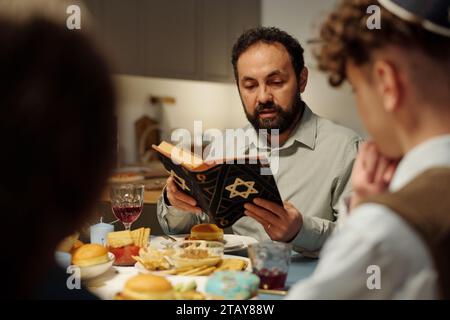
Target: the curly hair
(269, 35)
(344, 37)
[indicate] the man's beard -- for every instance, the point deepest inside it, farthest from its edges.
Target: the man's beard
(283, 120)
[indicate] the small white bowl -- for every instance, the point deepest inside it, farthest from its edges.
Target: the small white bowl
(95, 270)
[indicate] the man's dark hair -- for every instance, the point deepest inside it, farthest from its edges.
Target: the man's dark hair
(58, 135)
(269, 35)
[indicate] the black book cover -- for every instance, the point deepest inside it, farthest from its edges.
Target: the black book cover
(223, 189)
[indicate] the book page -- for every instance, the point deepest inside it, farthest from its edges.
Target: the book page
(179, 155)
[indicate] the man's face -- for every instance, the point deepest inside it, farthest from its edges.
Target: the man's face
(377, 121)
(268, 86)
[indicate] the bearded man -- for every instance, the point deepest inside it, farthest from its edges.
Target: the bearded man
(314, 155)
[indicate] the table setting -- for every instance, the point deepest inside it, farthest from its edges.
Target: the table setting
(203, 265)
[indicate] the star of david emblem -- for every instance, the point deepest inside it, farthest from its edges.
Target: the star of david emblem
(244, 194)
(179, 181)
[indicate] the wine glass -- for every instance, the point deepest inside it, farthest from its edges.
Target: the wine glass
(127, 202)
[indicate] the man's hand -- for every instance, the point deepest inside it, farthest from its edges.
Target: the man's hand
(179, 199)
(281, 223)
(372, 173)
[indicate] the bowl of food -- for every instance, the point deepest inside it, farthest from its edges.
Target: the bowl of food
(194, 253)
(93, 260)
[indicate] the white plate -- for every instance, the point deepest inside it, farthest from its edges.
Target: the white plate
(142, 269)
(113, 281)
(95, 270)
(233, 242)
(110, 286)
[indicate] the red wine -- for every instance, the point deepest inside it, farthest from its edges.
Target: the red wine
(272, 279)
(127, 213)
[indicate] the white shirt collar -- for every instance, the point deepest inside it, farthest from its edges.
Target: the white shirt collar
(434, 152)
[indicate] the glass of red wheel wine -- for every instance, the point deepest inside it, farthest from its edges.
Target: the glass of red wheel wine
(270, 262)
(127, 202)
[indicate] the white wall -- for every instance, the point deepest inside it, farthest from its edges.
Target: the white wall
(301, 19)
(216, 104)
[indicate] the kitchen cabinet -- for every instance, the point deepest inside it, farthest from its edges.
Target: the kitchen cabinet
(223, 23)
(121, 33)
(181, 39)
(169, 38)
(216, 44)
(115, 25)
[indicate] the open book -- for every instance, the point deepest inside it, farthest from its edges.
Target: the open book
(221, 188)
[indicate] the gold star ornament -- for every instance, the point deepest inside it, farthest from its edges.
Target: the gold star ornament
(179, 181)
(244, 194)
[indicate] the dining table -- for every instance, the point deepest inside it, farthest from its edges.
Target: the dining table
(107, 285)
